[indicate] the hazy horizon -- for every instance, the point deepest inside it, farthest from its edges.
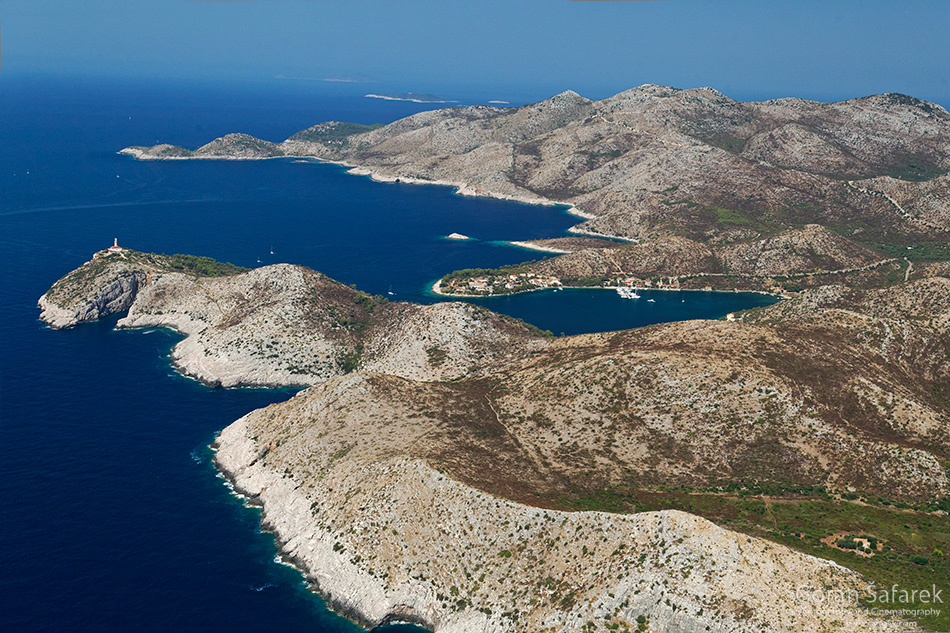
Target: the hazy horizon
(523, 50)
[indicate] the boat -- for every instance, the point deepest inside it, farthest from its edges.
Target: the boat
(651, 300)
(390, 291)
(628, 293)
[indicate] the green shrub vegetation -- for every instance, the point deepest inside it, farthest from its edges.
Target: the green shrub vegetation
(915, 168)
(921, 251)
(729, 216)
(906, 541)
(335, 132)
(201, 266)
(470, 273)
(351, 360)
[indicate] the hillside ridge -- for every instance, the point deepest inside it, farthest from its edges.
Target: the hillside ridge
(655, 162)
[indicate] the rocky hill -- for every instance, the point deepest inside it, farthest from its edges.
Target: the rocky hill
(784, 374)
(838, 391)
(655, 162)
(809, 249)
(344, 477)
(282, 325)
(444, 503)
(811, 256)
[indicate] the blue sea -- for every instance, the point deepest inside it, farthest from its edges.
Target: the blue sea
(115, 519)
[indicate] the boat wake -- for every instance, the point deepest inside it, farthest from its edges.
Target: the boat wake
(628, 293)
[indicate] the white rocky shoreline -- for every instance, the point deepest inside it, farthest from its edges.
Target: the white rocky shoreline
(535, 247)
(436, 288)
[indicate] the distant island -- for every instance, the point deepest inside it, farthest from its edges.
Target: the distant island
(815, 427)
(411, 96)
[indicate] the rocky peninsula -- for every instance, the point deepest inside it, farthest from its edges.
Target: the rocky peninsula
(459, 469)
(384, 536)
(280, 325)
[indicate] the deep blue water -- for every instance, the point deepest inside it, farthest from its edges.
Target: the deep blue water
(114, 518)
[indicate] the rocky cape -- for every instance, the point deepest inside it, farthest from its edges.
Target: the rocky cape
(654, 163)
(434, 470)
(280, 325)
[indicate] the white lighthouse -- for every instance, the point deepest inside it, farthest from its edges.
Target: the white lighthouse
(115, 248)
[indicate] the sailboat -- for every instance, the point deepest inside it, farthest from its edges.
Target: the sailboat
(391, 290)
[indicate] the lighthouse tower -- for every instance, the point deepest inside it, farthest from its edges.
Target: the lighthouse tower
(115, 248)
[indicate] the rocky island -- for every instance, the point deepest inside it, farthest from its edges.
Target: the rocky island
(462, 470)
(413, 97)
(458, 469)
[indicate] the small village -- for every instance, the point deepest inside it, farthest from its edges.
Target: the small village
(503, 282)
(487, 284)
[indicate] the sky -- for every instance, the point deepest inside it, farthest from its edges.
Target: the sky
(746, 49)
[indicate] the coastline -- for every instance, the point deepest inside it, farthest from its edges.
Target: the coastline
(534, 247)
(579, 231)
(461, 188)
(464, 189)
(140, 155)
(436, 288)
(281, 542)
